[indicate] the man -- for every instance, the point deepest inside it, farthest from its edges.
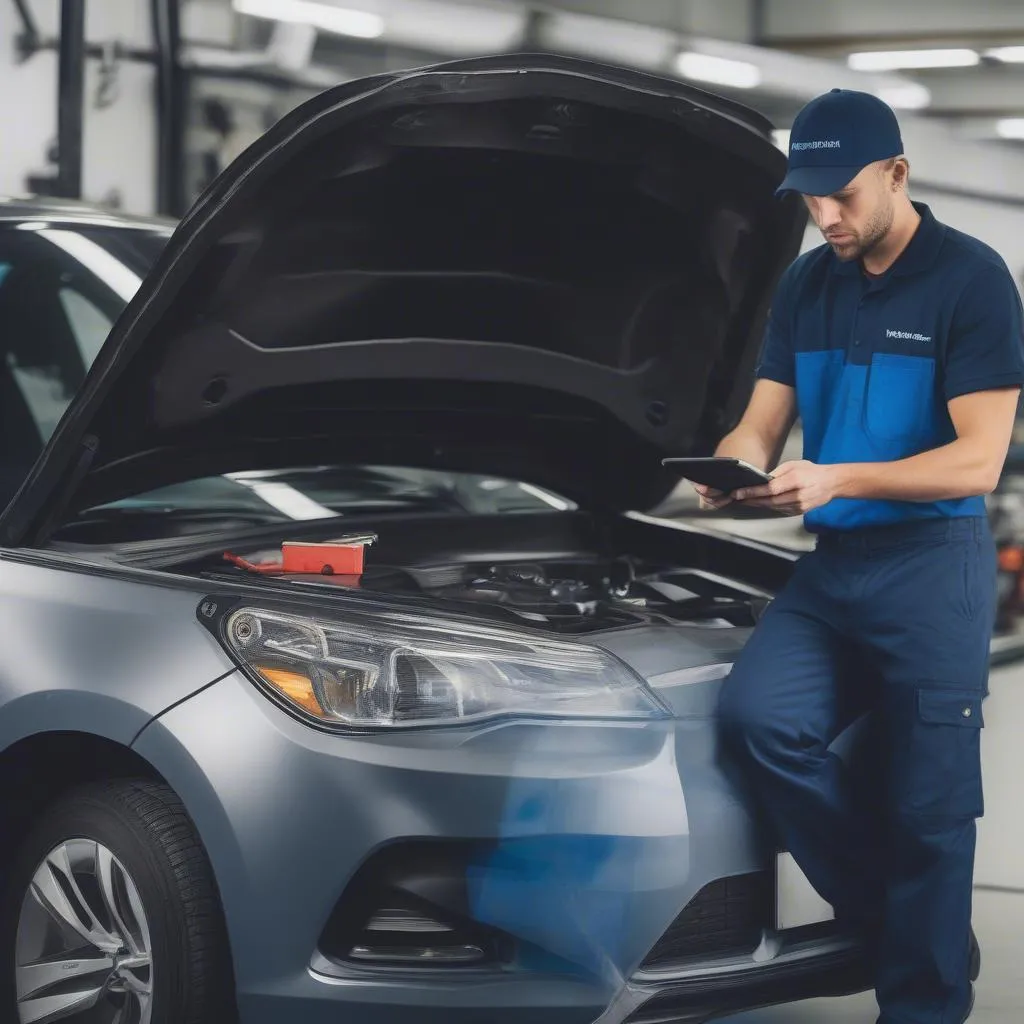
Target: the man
(899, 345)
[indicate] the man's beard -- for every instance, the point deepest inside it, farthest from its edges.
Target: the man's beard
(861, 245)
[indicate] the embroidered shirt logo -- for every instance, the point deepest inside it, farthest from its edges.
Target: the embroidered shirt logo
(817, 144)
(907, 336)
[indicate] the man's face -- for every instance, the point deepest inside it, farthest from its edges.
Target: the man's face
(856, 218)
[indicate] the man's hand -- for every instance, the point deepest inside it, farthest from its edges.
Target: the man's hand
(795, 488)
(710, 499)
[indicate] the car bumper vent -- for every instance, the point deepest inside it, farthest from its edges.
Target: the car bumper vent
(398, 936)
(727, 915)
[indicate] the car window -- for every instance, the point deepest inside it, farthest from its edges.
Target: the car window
(61, 289)
(89, 324)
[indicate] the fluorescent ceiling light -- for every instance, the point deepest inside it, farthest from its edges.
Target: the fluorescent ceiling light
(608, 39)
(907, 96)
(453, 28)
(1007, 54)
(1010, 128)
(895, 60)
(703, 67)
(326, 17)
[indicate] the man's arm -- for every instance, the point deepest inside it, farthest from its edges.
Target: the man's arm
(760, 435)
(970, 465)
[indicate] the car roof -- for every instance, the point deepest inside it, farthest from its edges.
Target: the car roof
(21, 208)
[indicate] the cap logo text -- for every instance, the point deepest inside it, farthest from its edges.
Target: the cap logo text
(818, 144)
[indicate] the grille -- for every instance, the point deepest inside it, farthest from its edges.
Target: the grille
(725, 916)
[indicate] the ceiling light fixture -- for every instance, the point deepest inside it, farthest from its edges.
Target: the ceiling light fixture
(703, 67)
(1010, 128)
(906, 96)
(1007, 54)
(339, 20)
(897, 60)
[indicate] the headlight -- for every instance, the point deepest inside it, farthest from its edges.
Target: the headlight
(408, 671)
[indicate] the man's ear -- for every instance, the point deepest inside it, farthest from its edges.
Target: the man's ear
(900, 173)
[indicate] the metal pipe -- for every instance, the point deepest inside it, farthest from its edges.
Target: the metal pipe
(70, 92)
(759, 22)
(170, 97)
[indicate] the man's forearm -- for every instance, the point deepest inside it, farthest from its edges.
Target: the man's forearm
(751, 447)
(960, 469)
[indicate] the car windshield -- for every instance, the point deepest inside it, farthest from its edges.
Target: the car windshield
(319, 492)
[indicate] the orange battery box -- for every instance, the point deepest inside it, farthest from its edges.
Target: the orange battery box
(341, 557)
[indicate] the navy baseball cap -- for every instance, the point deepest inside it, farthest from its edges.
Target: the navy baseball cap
(835, 137)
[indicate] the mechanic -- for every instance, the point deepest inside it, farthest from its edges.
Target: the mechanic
(899, 345)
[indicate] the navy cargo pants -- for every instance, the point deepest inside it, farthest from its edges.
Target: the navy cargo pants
(895, 620)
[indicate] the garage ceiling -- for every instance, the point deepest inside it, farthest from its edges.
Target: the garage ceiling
(982, 44)
(958, 62)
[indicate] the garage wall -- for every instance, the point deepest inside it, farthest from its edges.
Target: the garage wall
(805, 19)
(1000, 225)
(119, 143)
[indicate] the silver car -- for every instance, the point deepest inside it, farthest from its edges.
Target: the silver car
(460, 313)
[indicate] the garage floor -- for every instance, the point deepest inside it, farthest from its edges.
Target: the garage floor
(999, 880)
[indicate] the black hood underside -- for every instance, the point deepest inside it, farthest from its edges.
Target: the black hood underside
(528, 266)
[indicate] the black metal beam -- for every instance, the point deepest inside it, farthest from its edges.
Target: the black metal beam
(759, 22)
(30, 44)
(171, 98)
(70, 93)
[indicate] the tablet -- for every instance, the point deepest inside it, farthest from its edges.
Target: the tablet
(724, 474)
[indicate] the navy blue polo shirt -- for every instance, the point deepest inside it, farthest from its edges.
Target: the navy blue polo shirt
(874, 360)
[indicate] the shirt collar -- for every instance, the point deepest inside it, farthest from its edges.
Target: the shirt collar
(918, 256)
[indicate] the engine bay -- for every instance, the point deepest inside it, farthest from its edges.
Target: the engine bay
(573, 594)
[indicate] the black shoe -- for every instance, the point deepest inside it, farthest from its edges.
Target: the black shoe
(975, 958)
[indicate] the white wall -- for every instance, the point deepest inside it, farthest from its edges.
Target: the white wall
(794, 19)
(119, 141)
(997, 224)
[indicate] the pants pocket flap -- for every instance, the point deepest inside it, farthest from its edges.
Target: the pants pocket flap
(950, 707)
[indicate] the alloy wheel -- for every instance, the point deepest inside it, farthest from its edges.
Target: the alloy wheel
(83, 948)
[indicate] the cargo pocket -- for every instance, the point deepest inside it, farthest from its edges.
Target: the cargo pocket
(938, 769)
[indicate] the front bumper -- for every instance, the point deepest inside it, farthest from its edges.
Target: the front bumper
(594, 836)
(816, 970)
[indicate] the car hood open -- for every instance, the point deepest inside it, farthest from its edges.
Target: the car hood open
(530, 266)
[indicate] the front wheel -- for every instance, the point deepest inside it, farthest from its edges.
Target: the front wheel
(111, 915)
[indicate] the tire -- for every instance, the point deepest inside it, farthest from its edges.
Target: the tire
(135, 837)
